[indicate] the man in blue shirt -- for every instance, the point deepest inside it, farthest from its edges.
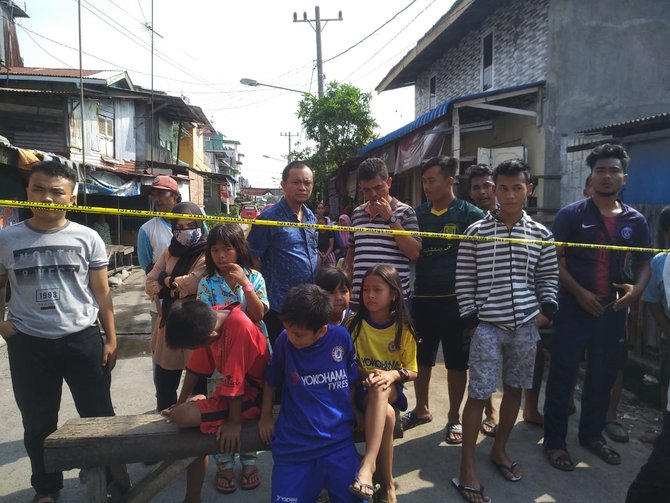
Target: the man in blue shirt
(287, 256)
(597, 288)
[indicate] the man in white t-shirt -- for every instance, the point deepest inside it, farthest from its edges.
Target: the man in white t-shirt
(57, 270)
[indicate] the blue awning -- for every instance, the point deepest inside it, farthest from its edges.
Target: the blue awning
(436, 113)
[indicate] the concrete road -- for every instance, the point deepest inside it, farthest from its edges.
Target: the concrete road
(424, 464)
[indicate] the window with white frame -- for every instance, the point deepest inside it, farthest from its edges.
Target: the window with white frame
(432, 93)
(487, 61)
(106, 135)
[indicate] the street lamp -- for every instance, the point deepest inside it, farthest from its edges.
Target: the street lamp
(255, 83)
(274, 158)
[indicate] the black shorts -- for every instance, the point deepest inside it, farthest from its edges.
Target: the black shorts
(438, 320)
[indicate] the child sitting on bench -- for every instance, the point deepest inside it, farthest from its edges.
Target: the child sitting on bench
(314, 363)
(228, 341)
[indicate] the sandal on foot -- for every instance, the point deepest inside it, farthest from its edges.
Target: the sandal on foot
(410, 420)
(359, 491)
(454, 429)
(559, 459)
(488, 428)
(616, 431)
(225, 483)
(247, 483)
(604, 452)
(465, 490)
(508, 471)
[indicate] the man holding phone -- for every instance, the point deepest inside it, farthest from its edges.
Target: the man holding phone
(598, 286)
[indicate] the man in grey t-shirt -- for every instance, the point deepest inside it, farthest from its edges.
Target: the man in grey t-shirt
(58, 273)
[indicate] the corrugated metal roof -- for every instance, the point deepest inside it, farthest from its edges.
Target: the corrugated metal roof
(34, 91)
(436, 113)
(49, 72)
(662, 117)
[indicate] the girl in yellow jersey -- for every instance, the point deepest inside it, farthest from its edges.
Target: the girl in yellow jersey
(386, 354)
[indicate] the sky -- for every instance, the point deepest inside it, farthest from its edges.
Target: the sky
(203, 49)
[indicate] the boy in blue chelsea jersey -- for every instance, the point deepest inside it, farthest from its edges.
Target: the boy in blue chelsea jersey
(315, 365)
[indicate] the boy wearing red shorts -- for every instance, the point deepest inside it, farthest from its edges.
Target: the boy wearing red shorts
(227, 341)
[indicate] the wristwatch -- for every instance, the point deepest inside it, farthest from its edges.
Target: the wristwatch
(404, 375)
(248, 287)
(392, 220)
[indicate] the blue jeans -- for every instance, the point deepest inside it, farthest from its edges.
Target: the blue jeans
(603, 340)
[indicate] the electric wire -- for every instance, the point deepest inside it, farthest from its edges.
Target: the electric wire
(372, 33)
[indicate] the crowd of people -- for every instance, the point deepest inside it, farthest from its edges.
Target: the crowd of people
(272, 318)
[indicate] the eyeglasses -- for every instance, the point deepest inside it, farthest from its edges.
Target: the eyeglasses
(185, 227)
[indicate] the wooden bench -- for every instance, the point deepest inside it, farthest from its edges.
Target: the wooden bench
(93, 444)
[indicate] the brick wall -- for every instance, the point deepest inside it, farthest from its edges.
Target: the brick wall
(519, 54)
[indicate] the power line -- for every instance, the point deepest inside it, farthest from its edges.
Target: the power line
(142, 11)
(386, 45)
(143, 44)
(375, 31)
(54, 57)
(128, 13)
(115, 65)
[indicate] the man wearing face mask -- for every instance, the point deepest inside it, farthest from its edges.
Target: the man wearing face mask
(175, 276)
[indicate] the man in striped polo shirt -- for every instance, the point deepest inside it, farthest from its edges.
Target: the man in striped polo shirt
(503, 290)
(380, 211)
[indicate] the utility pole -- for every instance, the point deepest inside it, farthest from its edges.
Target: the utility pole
(289, 134)
(318, 28)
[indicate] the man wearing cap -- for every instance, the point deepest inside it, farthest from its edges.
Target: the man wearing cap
(155, 235)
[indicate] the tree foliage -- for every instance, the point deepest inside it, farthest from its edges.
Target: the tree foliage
(340, 123)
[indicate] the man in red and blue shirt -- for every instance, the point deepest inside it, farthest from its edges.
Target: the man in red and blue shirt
(597, 288)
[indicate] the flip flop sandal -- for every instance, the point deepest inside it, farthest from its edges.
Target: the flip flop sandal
(410, 420)
(616, 431)
(604, 452)
(223, 484)
(488, 428)
(558, 457)
(245, 484)
(356, 491)
(464, 490)
(504, 470)
(454, 429)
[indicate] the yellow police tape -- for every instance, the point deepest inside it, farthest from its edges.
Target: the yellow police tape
(125, 212)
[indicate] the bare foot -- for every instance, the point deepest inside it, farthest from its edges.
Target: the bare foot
(533, 417)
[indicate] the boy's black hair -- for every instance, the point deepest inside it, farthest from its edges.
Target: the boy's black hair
(446, 164)
(331, 278)
(55, 169)
(228, 235)
(398, 309)
(189, 324)
(291, 165)
(372, 168)
(512, 167)
(306, 306)
(478, 170)
(608, 151)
